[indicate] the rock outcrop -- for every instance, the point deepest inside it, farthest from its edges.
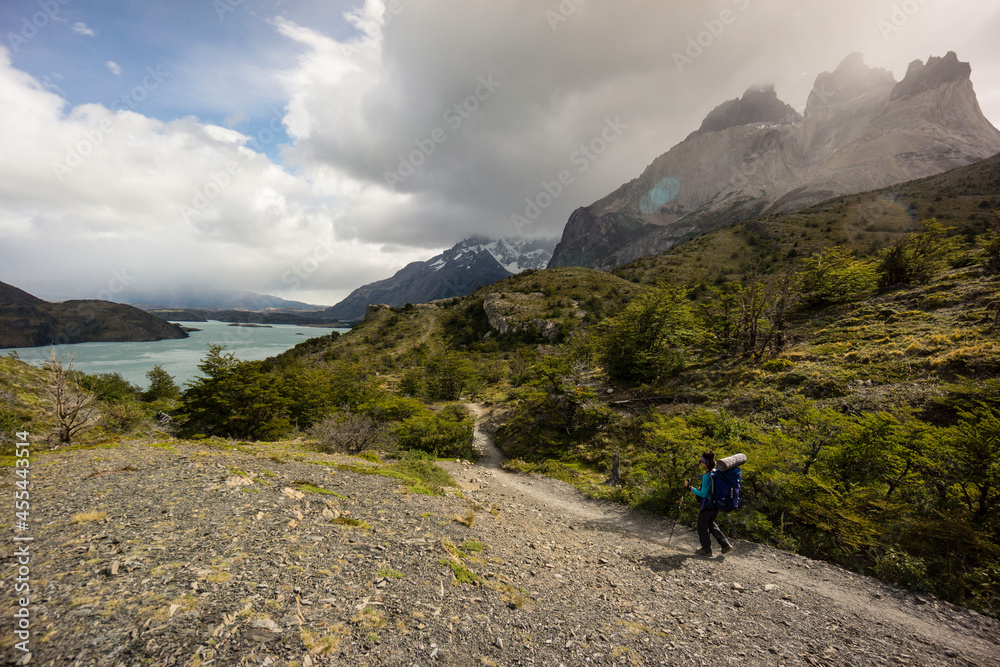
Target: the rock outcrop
(758, 105)
(861, 130)
(511, 312)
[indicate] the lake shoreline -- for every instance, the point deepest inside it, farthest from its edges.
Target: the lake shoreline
(179, 357)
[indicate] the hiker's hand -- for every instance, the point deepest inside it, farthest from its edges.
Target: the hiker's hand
(687, 484)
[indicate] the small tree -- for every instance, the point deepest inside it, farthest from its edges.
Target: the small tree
(919, 257)
(836, 276)
(161, 386)
(750, 317)
(350, 433)
(237, 399)
(75, 408)
(649, 339)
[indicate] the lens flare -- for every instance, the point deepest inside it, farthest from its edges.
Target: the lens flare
(664, 191)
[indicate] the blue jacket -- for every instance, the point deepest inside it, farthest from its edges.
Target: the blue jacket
(705, 492)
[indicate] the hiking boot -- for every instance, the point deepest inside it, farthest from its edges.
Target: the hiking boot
(726, 548)
(702, 552)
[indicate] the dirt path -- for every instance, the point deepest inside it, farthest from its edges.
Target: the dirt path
(835, 593)
(185, 553)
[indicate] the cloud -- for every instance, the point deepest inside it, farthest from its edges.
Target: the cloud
(86, 191)
(113, 67)
(401, 108)
(81, 28)
(411, 127)
(237, 119)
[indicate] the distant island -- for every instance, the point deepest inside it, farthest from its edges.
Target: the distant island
(27, 321)
(250, 326)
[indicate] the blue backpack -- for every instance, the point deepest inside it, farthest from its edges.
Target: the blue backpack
(726, 480)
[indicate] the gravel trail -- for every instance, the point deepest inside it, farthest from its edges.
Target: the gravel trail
(178, 553)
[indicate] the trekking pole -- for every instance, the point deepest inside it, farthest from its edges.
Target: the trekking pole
(683, 496)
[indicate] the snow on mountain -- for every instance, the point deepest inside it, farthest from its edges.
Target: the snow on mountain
(455, 272)
(518, 255)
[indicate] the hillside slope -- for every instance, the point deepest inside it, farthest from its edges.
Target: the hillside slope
(26, 321)
(967, 198)
(195, 552)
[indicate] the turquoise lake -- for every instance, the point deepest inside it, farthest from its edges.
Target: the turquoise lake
(181, 357)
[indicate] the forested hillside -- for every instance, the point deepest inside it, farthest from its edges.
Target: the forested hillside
(850, 350)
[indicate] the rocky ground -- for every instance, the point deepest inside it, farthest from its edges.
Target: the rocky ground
(181, 554)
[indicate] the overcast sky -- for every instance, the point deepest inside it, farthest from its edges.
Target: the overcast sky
(303, 148)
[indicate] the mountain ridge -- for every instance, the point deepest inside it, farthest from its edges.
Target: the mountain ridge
(27, 321)
(861, 130)
(457, 271)
(201, 297)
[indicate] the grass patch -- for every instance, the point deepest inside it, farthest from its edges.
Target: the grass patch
(309, 487)
(86, 517)
(325, 644)
(390, 573)
(421, 476)
(462, 574)
(371, 457)
(369, 618)
(352, 522)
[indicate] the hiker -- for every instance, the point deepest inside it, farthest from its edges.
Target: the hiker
(706, 518)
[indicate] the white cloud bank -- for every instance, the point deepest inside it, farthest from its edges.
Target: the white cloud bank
(437, 121)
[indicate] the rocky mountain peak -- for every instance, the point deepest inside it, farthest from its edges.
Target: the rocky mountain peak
(861, 131)
(935, 73)
(850, 80)
(758, 105)
(455, 272)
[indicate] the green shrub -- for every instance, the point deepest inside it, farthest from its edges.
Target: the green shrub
(899, 567)
(448, 374)
(125, 416)
(835, 276)
(161, 386)
(447, 433)
(648, 340)
(919, 257)
(108, 387)
(236, 399)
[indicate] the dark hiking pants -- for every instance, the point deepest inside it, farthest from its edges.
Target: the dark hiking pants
(707, 525)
